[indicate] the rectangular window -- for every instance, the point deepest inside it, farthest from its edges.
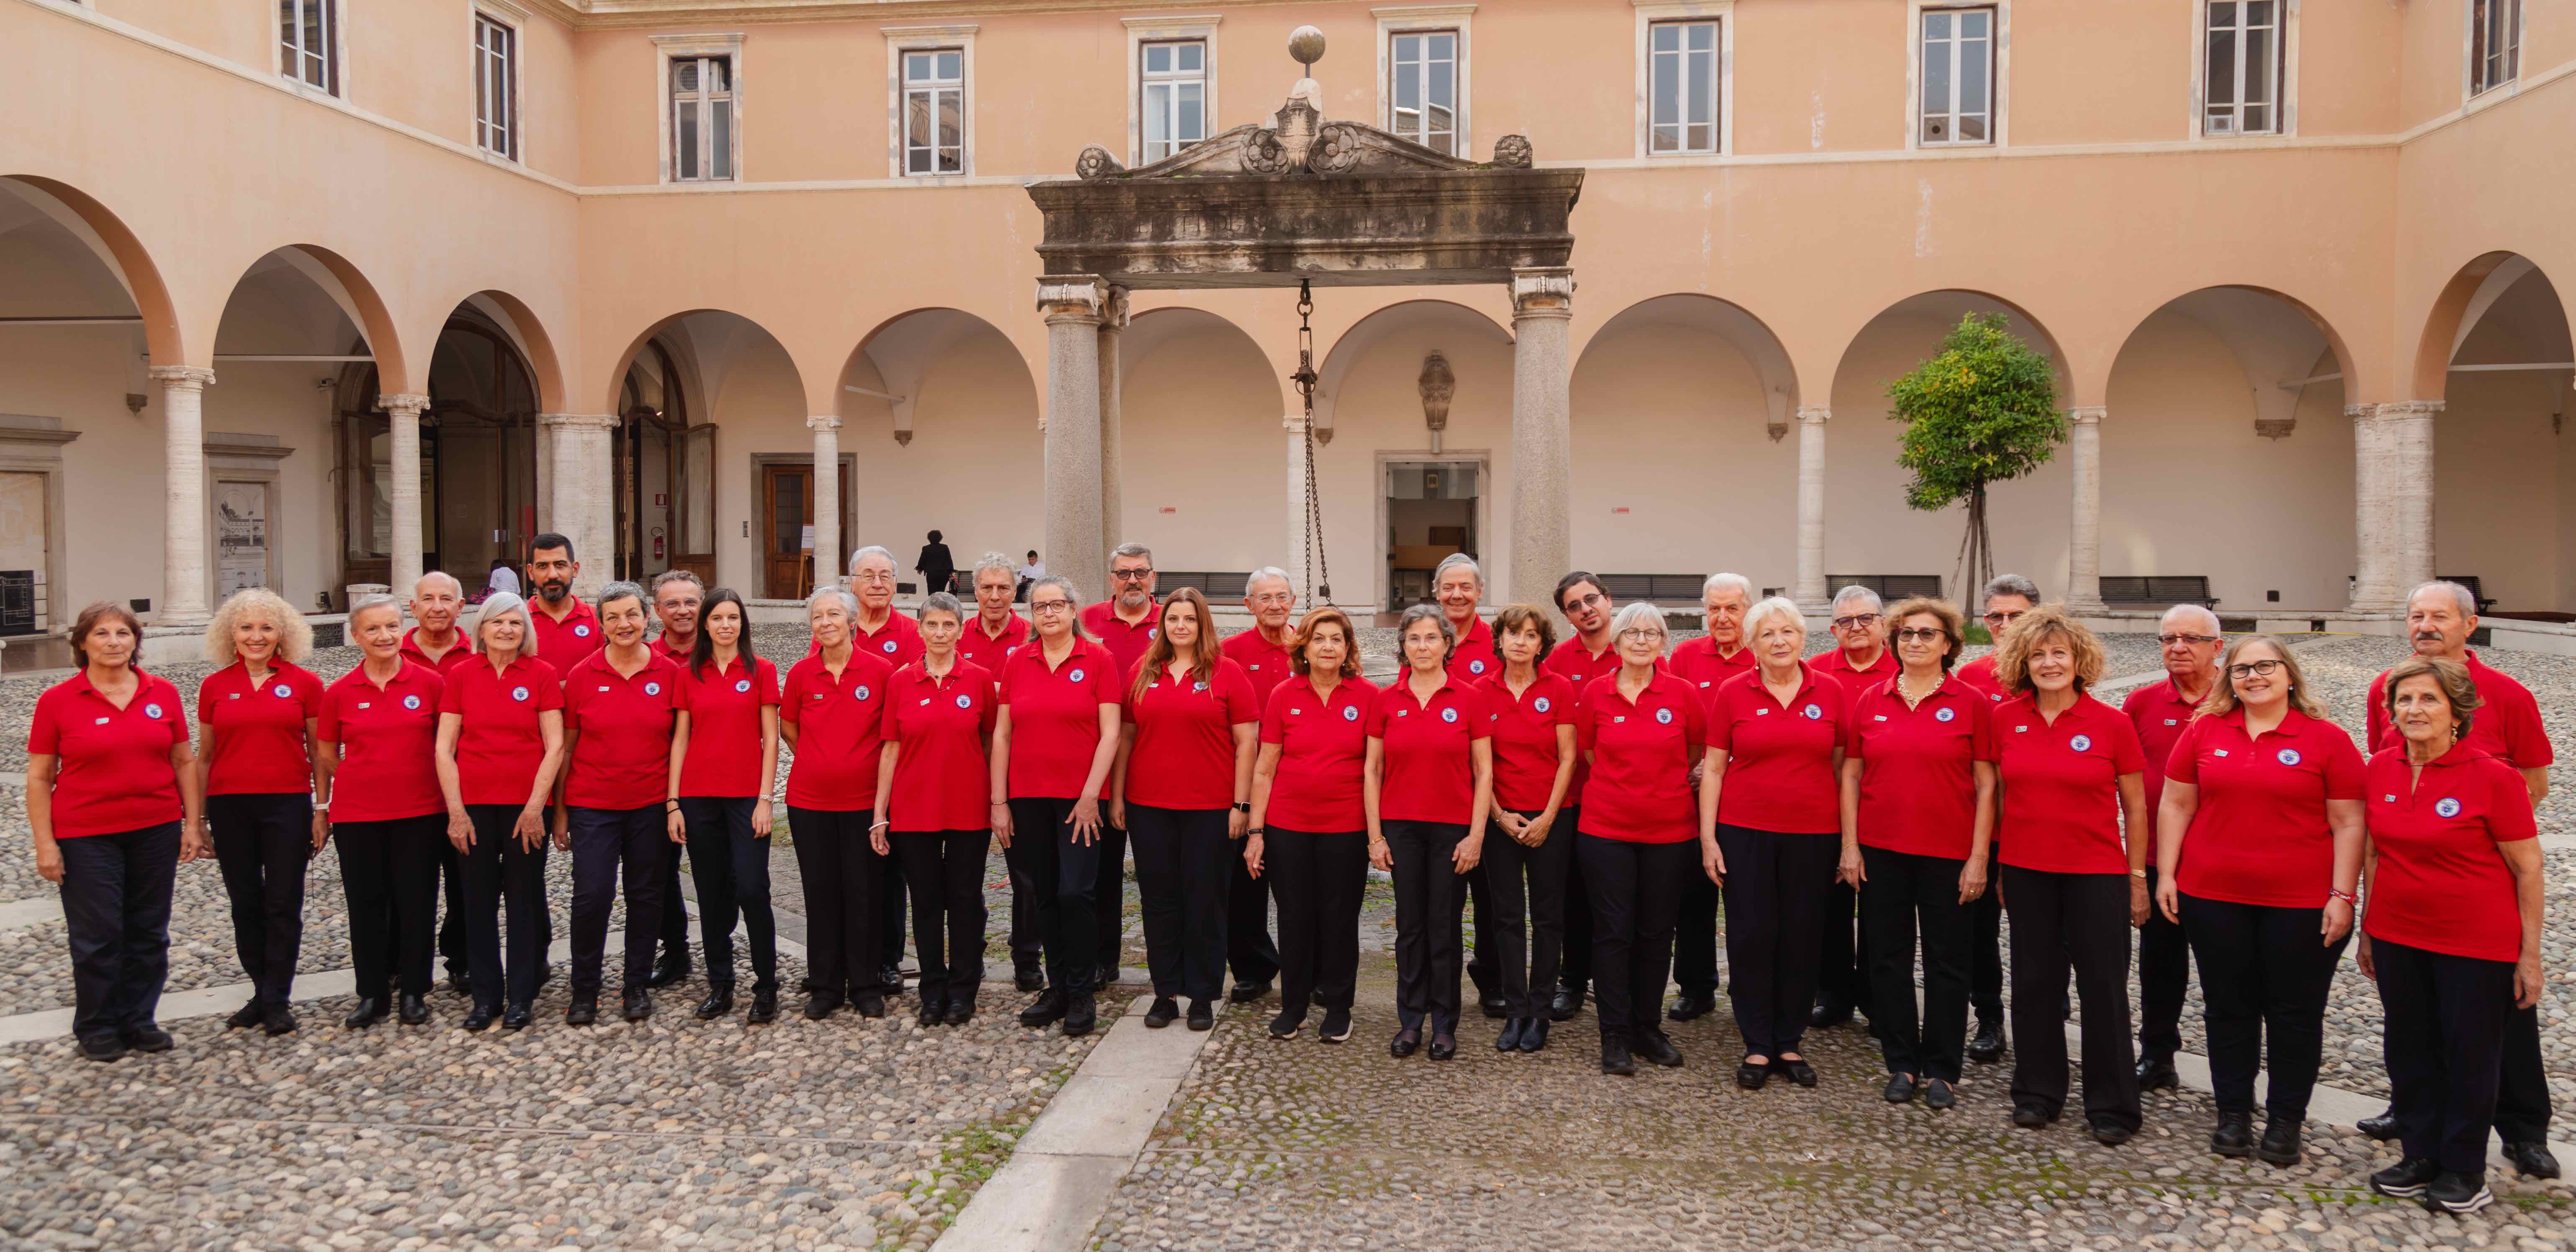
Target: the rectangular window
(1682, 72)
(1958, 77)
(2244, 68)
(496, 87)
(934, 111)
(1422, 91)
(1173, 77)
(702, 118)
(308, 39)
(2495, 43)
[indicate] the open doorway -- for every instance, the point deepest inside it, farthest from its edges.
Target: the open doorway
(1432, 510)
(478, 454)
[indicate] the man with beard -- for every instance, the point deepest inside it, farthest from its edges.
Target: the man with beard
(1704, 663)
(437, 645)
(1263, 653)
(1579, 660)
(677, 597)
(1124, 624)
(567, 630)
(2440, 617)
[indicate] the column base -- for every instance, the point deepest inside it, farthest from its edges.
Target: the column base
(2087, 608)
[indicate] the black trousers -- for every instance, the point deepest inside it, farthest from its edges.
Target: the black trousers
(731, 868)
(453, 947)
(610, 846)
(1526, 887)
(1480, 921)
(1180, 879)
(2079, 921)
(890, 897)
(1842, 963)
(2164, 979)
(1319, 879)
(1109, 892)
(1065, 874)
(1636, 893)
(1985, 947)
(842, 898)
(116, 914)
(944, 871)
(2444, 1040)
(1775, 904)
(1248, 949)
(1695, 937)
(1430, 902)
(390, 872)
(2522, 1094)
(262, 843)
(674, 939)
(1907, 895)
(1028, 903)
(499, 873)
(2263, 971)
(1575, 972)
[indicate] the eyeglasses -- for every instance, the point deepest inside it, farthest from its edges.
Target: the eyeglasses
(1275, 597)
(1594, 601)
(1855, 621)
(2171, 640)
(2252, 669)
(2001, 620)
(1920, 634)
(1050, 607)
(1132, 575)
(1640, 632)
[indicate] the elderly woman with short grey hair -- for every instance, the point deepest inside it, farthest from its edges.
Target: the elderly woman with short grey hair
(1426, 788)
(833, 714)
(376, 785)
(936, 805)
(255, 760)
(500, 744)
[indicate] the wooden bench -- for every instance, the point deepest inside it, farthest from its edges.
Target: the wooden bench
(1890, 587)
(2164, 590)
(1218, 586)
(2476, 591)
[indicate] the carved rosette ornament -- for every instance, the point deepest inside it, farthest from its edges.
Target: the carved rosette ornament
(1095, 162)
(1513, 152)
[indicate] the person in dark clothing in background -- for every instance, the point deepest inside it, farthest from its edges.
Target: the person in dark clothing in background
(936, 567)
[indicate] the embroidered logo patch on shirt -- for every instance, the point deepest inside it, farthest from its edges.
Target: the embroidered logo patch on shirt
(2449, 806)
(1476, 667)
(1077, 675)
(861, 693)
(1879, 717)
(2219, 751)
(519, 693)
(965, 702)
(1945, 715)
(1350, 712)
(281, 691)
(2288, 756)
(581, 632)
(889, 645)
(1448, 715)
(1813, 712)
(652, 689)
(152, 710)
(742, 686)
(1664, 716)
(1199, 686)
(409, 702)
(1539, 704)
(2081, 743)
(2172, 722)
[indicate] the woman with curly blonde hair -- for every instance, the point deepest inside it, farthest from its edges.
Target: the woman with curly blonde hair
(255, 720)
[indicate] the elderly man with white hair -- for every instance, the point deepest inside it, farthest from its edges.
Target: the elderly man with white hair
(895, 639)
(2189, 641)
(438, 646)
(1458, 585)
(990, 635)
(2440, 617)
(1263, 652)
(1704, 663)
(1861, 662)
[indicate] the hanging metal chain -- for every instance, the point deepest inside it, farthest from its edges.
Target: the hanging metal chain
(1305, 378)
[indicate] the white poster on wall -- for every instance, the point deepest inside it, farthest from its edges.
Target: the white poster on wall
(241, 536)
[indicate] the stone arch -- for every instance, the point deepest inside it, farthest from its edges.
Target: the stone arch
(526, 331)
(885, 372)
(2473, 288)
(2493, 374)
(349, 288)
(115, 246)
(938, 407)
(1196, 392)
(1365, 333)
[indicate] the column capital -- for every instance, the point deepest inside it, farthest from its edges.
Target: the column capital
(1114, 312)
(402, 402)
(823, 421)
(1814, 414)
(1072, 297)
(578, 421)
(2088, 414)
(1546, 291)
(1295, 423)
(2394, 410)
(188, 377)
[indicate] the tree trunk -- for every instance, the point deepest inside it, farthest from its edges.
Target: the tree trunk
(1976, 561)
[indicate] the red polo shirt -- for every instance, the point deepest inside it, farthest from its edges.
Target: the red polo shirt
(1579, 668)
(723, 759)
(840, 724)
(1779, 757)
(2061, 806)
(1980, 674)
(1055, 717)
(2506, 725)
(942, 779)
(679, 654)
(1837, 665)
(1183, 757)
(1428, 764)
(1642, 753)
(112, 771)
(2441, 885)
(896, 641)
(1524, 732)
(1126, 643)
(258, 732)
(499, 742)
(388, 739)
(1323, 754)
(1265, 664)
(1696, 662)
(1474, 657)
(622, 759)
(991, 651)
(2161, 715)
(2260, 834)
(448, 660)
(1918, 777)
(567, 643)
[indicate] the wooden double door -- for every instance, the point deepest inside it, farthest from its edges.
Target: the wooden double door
(786, 526)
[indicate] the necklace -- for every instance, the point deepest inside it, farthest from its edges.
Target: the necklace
(1912, 700)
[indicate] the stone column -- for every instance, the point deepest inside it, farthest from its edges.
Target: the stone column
(1113, 321)
(402, 418)
(1810, 591)
(2084, 526)
(545, 442)
(585, 511)
(1542, 498)
(1301, 535)
(1073, 304)
(827, 498)
(2392, 448)
(184, 576)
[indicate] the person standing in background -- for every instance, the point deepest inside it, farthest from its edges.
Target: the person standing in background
(1264, 654)
(2188, 639)
(988, 640)
(937, 568)
(1123, 624)
(678, 597)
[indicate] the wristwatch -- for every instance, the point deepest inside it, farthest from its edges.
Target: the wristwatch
(1243, 806)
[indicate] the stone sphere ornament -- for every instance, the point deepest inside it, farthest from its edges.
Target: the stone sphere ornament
(1306, 45)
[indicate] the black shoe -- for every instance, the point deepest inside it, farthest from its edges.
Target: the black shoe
(479, 1018)
(369, 1011)
(961, 1010)
(1495, 1007)
(820, 1005)
(933, 1010)
(1048, 1009)
(1106, 978)
(583, 1011)
(1939, 1094)
(1443, 1046)
(1616, 1058)
(719, 1002)
(460, 983)
(277, 1019)
(1827, 1016)
(1405, 1042)
(1900, 1088)
(2458, 1193)
(2234, 1136)
(2030, 1117)
(1752, 1077)
(1567, 1002)
(243, 1018)
(545, 976)
(671, 968)
(1797, 1071)
(1287, 1024)
(1081, 1014)
(1510, 1038)
(1656, 1046)
(2158, 1076)
(1030, 979)
(2531, 1159)
(2406, 1179)
(1247, 992)
(638, 1004)
(1202, 1015)
(103, 1048)
(890, 980)
(1162, 1012)
(517, 1016)
(146, 1038)
(807, 985)
(2381, 1126)
(2280, 1143)
(764, 1007)
(1691, 1006)
(1988, 1045)
(2110, 1134)
(1533, 1033)
(1336, 1027)
(415, 1010)
(870, 1005)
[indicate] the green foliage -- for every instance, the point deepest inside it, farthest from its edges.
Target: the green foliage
(1982, 411)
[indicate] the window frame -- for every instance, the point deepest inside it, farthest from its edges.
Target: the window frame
(2285, 103)
(1145, 30)
(1649, 16)
(675, 48)
(958, 37)
(2473, 84)
(1427, 19)
(1998, 67)
(334, 67)
(935, 86)
(513, 127)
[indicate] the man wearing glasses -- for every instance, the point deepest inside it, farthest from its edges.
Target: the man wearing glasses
(2189, 638)
(1705, 662)
(1580, 660)
(1124, 623)
(2007, 597)
(1862, 662)
(1263, 653)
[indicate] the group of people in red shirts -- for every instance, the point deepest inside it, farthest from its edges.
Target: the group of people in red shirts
(1595, 799)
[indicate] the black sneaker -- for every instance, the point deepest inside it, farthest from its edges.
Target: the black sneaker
(2110, 1134)
(1202, 1017)
(1987, 1047)
(146, 1038)
(2234, 1136)
(820, 1005)
(1048, 1009)
(1656, 1046)
(243, 1018)
(1162, 1013)
(1336, 1027)
(583, 1011)
(2381, 1126)
(1616, 1058)
(1247, 992)
(2280, 1144)
(1287, 1024)
(277, 1019)
(638, 1004)
(2458, 1193)
(2531, 1158)
(103, 1048)
(1029, 979)
(2406, 1179)
(1081, 1014)
(764, 1007)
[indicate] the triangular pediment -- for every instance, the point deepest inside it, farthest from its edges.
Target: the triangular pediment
(1300, 144)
